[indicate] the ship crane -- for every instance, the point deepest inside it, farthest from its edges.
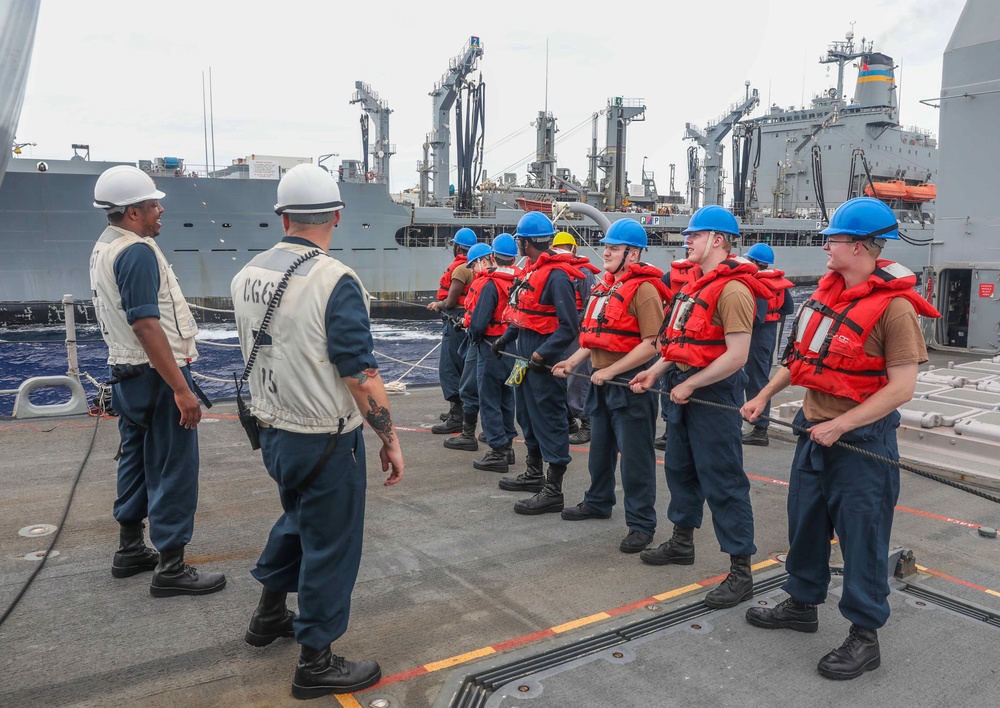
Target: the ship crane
(439, 139)
(710, 140)
(381, 150)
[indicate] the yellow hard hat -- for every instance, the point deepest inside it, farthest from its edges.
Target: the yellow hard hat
(562, 238)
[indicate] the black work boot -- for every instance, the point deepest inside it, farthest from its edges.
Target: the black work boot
(583, 436)
(510, 453)
(660, 443)
(271, 620)
(635, 542)
(452, 424)
(321, 672)
(467, 440)
(679, 550)
(756, 436)
(531, 480)
(859, 653)
(582, 512)
(737, 587)
(133, 555)
(493, 461)
(787, 614)
(573, 425)
(455, 409)
(549, 499)
(174, 577)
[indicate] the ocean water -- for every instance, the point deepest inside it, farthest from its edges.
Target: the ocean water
(41, 351)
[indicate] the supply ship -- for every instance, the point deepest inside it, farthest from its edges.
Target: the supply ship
(790, 169)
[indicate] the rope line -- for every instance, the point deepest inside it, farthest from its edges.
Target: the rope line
(799, 430)
(210, 309)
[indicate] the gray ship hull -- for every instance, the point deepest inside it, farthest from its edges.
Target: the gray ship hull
(212, 227)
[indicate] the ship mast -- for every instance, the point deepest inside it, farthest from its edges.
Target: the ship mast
(710, 140)
(379, 111)
(439, 139)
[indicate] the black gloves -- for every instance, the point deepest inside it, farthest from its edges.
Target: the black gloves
(536, 364)
(498, 347)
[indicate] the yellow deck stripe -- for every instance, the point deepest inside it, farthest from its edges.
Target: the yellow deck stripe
(460, 659)
(580, 622)
(679, 591)
(347, 700)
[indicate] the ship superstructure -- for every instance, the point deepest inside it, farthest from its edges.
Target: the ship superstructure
(790, 169)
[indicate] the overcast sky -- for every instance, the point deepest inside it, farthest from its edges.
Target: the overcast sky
(126, 77)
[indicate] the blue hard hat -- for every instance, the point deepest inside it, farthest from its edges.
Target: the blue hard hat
(628, 232)
(480, 250)
(465, 237)
(504, 245)
(762, 253)
(534, 224)
(713, 218)
(863, 217)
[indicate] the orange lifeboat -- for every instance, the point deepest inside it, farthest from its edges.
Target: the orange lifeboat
(894, 189)
(920, 193)
(534, 205)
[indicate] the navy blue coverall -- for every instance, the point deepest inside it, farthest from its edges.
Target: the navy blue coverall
(158, 469)
(314, 548)
(836, 490)
(705, 462)
(763, 339)
(623, 423)
(496, 399)
(542, 396)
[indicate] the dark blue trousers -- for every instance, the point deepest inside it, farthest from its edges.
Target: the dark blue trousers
(833, 490)
(543, 397)
(704, 462)
(468, 387)
(758, 366)
(158, 469)
(314, 548)
(450, 363)
(496, 399)
(577, 386)
(623, 423)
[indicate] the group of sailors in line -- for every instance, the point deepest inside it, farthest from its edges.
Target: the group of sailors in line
(515, 341)
(704, 334)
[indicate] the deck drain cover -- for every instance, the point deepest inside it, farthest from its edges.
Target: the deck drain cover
(38, 555)
(36, 530)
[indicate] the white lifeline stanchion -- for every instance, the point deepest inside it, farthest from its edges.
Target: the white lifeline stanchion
(77, 403)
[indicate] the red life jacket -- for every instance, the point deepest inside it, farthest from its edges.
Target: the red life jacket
(524, 309)
(775, 280)
(445, 284)
(827, 352)
(682, 272)
(688, 335)
(503, 278)
(607, 323)
(583, 264)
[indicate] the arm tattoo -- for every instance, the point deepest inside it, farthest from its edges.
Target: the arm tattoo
(363, 376)
(380, 420)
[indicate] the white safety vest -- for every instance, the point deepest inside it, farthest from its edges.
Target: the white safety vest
(175, 315)
(293, 384)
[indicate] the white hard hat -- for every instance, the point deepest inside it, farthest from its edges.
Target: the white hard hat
(123, 186)
(307, 189)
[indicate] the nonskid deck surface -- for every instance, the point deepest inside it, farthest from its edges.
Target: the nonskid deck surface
(449, 575)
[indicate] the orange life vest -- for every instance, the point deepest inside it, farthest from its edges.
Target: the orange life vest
(503, 278)
(827, 349)
(607, 323)
(775, 280)
(688, 334)
(524, 309)
(445, 284)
